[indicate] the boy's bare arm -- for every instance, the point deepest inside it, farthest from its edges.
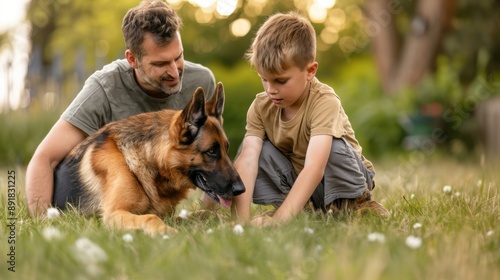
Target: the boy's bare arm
(247, 165)
(317, 155)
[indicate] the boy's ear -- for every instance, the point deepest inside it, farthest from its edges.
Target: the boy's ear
(311, 68)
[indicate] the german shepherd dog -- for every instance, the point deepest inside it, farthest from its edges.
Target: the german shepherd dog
(136, 170)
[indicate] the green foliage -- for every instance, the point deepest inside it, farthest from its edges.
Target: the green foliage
(68, 27)
(374, 116)
(451, 104)
(22, 131)
(459, 231)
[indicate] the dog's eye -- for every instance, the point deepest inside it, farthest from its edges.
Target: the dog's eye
(212, 152)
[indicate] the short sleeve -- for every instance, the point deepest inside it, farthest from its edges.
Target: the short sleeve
(254, 126)
(90, 110)
(326, 118)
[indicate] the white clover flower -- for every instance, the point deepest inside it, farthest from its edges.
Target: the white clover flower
(127, 237)
(90, 255)
(238, 229)
(417, 225)
(376, 237)
(210, 231)
(93, 269)
(183, 214)
(318, 249)
(412, 196)
(457, 194)
(490, 233)
(89, 252)
(53, 213)
(479, 183)
(413, 242)
(52, 233)
(308, 230)
(447, 189)
(165, 237)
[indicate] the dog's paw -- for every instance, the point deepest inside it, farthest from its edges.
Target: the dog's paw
(149, 223)
(155, 226)
(160, 230)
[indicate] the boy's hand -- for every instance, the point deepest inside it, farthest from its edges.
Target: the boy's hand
(263, 221)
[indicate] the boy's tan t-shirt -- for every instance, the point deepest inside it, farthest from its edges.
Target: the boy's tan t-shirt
(321, 113)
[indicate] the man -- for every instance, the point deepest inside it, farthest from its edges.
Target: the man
(153, 76)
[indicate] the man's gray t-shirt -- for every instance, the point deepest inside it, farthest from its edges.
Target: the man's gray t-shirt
(112, 94)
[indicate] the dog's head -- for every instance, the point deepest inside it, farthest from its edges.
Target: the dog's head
(205, 147)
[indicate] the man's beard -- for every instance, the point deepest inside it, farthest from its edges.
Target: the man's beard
(158, 85)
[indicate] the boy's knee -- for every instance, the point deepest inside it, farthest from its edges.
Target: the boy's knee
(268, 149)
(339, 146)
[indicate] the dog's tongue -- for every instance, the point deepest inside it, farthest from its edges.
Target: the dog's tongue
(225, 202)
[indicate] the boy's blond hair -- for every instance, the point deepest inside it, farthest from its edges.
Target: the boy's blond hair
(283, 41)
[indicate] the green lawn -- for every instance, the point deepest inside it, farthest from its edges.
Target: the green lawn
(445, 224)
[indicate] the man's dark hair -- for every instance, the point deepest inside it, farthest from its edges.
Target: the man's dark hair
(150, 16)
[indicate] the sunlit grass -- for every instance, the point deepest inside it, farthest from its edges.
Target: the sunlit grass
(458, 229)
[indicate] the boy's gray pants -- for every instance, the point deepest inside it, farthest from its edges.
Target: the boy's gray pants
(345, 176)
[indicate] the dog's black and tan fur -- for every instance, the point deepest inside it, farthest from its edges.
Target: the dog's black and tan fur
(136, 170)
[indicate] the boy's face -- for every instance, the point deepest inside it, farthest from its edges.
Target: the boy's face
(288, 88)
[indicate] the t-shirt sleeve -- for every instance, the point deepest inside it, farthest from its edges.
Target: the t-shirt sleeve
(254, 126)
(326, 117)
(90, 110)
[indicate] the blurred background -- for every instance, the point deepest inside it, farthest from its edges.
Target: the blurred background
(417, 78)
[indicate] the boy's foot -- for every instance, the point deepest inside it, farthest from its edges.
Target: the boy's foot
(374, 207)
(363, 204)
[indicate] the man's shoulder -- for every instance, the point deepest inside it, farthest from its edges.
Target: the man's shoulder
(196, 68)
(197, 75)
(117, 73)
(119, 65)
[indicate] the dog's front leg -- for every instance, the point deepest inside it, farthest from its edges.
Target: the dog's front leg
(149, 223)
(124, 203)
(126, 206)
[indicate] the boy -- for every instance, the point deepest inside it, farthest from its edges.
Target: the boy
(299, 145)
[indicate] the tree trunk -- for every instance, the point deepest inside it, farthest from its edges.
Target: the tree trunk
(399, 67)
(488, 119)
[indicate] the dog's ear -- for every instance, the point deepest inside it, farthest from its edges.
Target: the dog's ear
(193, 117)
(215, 106)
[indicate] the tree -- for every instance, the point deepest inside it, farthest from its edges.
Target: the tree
(405, 36)
(407, 64)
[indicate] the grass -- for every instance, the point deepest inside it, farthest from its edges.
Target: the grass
(459, 230)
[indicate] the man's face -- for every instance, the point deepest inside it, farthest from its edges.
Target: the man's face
(160, 70)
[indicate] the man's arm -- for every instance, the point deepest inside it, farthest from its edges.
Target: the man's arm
(40, 172)
(318, 152)
(247, 165)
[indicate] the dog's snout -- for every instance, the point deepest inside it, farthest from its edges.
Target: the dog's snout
(238, 187)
